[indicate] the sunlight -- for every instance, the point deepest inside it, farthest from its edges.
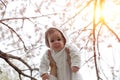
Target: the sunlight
(29, 19)
(107, 11)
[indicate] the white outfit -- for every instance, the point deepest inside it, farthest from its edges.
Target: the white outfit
(52, 77)
(63, 68)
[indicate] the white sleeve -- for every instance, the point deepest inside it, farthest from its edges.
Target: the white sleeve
(77, 76)
(52, 77)
(44, 64)
(75, 55)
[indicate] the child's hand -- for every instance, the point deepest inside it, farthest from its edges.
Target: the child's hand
(45, 76)
(75, 68)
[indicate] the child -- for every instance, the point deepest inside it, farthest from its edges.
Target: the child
(66, 66)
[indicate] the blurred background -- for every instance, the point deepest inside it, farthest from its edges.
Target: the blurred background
(92, 25)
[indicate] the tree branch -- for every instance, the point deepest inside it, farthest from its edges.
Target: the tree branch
(15, 33)
(6, 57)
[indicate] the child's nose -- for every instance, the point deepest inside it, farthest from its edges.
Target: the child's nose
(56, 42)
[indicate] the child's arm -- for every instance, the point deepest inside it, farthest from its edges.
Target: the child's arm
(44, 64)
(74, 59)
(53, 66)
(73, 68)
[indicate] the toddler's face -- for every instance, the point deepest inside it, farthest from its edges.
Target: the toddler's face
(56, 41)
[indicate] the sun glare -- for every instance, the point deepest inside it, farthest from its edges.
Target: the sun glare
(108, 12)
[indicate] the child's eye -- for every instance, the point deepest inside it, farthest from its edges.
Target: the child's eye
(59, 39)
(52, 41)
